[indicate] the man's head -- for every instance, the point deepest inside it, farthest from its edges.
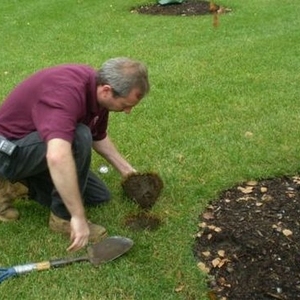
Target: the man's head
(122, 83)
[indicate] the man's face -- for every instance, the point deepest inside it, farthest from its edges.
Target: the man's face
(118, 104)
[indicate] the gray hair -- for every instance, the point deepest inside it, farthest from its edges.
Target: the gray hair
(124, 74)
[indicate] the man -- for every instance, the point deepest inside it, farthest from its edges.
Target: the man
(54, 118)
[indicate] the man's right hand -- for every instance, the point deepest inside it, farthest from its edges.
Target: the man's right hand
(79, 233)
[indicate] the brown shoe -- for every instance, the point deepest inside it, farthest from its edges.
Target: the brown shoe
(7, 211)
(56, 224)
(18, 190)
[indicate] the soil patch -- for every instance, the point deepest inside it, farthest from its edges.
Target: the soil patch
(249, 241)
(144, 220)
(187, 8)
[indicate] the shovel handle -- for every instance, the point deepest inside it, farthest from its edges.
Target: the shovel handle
(46, 265)
(26, 268)
(67, 261)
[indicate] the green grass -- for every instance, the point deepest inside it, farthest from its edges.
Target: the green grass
(211, 87)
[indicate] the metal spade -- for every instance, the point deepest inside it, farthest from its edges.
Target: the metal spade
(99, 253)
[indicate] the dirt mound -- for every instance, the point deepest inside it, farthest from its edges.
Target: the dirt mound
(186, 8)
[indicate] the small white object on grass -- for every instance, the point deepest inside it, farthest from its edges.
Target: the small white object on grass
(103, 169)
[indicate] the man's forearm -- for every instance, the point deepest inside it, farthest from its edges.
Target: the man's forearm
(107, 149)
(63, 172)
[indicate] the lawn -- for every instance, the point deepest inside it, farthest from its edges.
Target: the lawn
(223, 108)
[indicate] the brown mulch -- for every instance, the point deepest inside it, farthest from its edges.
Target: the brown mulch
(249, 241)
(187, 8)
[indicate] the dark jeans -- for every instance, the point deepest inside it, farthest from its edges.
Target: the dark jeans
(29, 166)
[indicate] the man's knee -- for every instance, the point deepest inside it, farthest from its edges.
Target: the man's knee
(92, 199)
(106, 196)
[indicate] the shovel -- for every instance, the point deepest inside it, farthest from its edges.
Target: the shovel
(102, 252)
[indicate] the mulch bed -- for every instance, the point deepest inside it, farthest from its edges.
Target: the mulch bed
(187, 8)
(249, 241)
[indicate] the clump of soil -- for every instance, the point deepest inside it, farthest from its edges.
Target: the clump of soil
(143, 189)
(249, 241)
(144, 220)
(187, 8)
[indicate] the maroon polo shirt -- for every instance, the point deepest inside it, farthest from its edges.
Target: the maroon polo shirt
(53, 101)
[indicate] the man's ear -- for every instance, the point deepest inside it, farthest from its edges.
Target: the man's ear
(104, 91)
(106, 88)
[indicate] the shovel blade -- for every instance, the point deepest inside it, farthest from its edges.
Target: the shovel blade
(108, 249)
